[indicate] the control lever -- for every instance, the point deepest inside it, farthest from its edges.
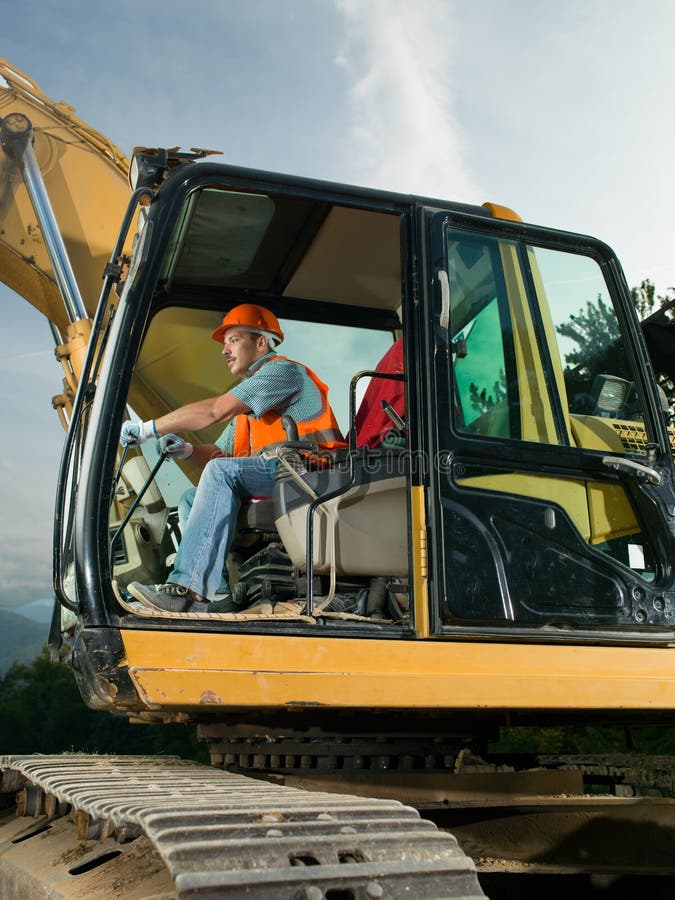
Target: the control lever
(396, 420)
(136, 502)
(290, 427)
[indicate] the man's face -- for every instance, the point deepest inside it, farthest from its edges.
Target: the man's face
(241, 349)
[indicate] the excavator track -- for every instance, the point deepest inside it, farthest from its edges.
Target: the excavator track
(222, 834)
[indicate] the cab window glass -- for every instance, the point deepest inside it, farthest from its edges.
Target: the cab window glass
(599, 386)
(480, 372)
(500, 385)
(537, 351)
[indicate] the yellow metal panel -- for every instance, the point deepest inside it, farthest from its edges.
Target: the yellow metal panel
(570, 495)
(594, 433)
(536, 417)
(188, 671)
(420, 562)
(549, 330)
(611, 514)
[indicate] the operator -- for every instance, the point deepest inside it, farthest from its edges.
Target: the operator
(236, 467)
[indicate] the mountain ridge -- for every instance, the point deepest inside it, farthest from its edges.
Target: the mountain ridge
(21, 639)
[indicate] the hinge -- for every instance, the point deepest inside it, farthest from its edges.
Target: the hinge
(423, 553)
(115, 270)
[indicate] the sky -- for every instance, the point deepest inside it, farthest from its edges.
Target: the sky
(562, 111)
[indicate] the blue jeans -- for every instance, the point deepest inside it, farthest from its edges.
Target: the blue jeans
(225, 484)
(184, 510)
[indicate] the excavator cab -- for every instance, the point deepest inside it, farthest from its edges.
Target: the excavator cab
(519, 490)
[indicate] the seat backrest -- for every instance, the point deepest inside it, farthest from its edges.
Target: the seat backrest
(372, 423)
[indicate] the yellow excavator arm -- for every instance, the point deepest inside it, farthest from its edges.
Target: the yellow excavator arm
(85, 178)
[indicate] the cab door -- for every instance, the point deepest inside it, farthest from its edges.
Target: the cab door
(550, 494)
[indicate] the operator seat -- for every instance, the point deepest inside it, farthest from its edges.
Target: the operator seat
(362, 531)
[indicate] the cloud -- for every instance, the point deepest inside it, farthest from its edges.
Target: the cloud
(398, 57)
(27, 479)
(26, 573)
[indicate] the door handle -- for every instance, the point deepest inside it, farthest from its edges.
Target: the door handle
(444, 282)
(632, 467)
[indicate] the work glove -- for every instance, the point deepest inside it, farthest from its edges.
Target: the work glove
(135, 433)
(174, 446)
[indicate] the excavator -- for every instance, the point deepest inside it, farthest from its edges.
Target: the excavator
(493, 546)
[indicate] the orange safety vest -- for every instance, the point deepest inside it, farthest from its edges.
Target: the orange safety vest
(252, 435)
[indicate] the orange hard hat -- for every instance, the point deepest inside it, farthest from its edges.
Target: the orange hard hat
(250, 317)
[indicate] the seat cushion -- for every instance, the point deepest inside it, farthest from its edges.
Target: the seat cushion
(257, 515)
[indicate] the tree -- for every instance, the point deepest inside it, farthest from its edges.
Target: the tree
(594, 331)
(646, 299)
(42, 712)
(598, 350)
(659, 333)
(599, 346)
(481, 401)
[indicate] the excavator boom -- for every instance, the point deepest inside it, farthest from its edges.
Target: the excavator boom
(86, 178)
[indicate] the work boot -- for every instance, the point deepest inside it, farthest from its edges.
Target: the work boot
(224, 604)
(169, 597)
